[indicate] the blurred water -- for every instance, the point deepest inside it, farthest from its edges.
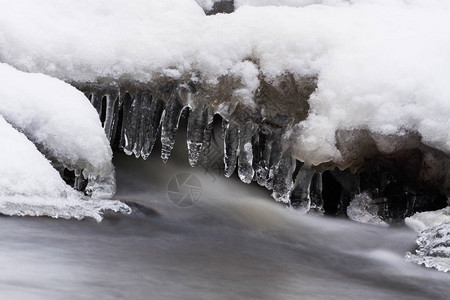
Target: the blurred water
(235, 243)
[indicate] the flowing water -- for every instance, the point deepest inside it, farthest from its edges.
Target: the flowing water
(235, 243)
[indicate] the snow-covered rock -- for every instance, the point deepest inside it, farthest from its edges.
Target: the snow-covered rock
(380, 65)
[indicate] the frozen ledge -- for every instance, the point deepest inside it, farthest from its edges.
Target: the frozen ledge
(398, 171)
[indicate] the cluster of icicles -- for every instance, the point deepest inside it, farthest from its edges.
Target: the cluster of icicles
(133, 116)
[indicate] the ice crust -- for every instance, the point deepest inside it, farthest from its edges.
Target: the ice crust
(381, 65)
(425, 220)
(434, 239)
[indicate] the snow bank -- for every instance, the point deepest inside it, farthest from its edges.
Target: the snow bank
(56, 117)
(30, 186)
(381, 65)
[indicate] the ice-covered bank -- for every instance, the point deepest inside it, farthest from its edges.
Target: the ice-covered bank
(59, 120)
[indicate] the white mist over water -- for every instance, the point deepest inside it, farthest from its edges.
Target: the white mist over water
(235, 243)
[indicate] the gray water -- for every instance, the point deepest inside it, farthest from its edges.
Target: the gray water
(235, 243)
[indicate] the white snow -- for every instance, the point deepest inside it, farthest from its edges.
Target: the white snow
(60, 121)
(30, 186)
(381, 65)
(24, 170)
(56, 117)
(291, 3)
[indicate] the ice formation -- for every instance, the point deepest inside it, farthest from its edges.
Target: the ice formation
(434, 239)
(311, 93)
(362, 209)
(424, 220)
(59, 120)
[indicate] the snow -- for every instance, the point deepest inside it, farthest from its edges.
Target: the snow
(381, 65)
(291, 3)
(24, 170)
(56, 117)
(30, 186)
(43, 118)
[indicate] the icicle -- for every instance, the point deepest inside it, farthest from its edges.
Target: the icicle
(133, 128)
(127, 136)
(111, 95)
(195, 132)
(80, 183)
(300, 194)
(261, 158)
(224, 128)
(231, 145)
(169, 126)
(143, 100)
(207, 136)
(115, 120)
(274, 153)
(152, 125)
(96, 100)
(245, 160)
(316, 193)
(101, 187)
(282, 182)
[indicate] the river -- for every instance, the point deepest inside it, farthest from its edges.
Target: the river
(234, 243)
